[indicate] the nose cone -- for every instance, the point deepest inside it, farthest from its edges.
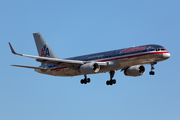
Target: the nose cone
(166, 55)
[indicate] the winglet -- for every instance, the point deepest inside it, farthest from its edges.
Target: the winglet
(12, 50)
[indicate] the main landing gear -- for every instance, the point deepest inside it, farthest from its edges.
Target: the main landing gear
(85, 80)
(111, 81)
(152, 68)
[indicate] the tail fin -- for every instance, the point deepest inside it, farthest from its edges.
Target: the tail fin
(42, 47)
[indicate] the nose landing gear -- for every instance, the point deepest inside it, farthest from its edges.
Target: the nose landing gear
(152, 68)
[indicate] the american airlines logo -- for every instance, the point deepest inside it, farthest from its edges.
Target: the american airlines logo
(45, 51)
(134, 49)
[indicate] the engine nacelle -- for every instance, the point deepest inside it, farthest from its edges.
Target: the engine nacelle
(89, 68)
(136, 70)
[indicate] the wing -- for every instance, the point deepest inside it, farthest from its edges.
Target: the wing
(40, 68)
(55, 61)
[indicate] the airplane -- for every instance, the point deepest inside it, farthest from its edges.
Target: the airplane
(130, 60)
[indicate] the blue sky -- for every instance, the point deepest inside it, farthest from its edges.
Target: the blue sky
(79, 27)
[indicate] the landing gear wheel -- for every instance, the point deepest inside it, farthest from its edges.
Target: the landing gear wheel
(82, 81)
(151, 72)
(107, 82)
(88, 80)
(85, 80)
(114, 81)
(111, 81)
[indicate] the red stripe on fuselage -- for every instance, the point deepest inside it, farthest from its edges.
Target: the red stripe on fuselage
(159, 52)
(58, 68)
(131, 56)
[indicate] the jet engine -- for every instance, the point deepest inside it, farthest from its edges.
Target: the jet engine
(136, 70)
(89, 68)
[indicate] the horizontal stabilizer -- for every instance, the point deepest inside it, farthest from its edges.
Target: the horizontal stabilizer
(40, 68)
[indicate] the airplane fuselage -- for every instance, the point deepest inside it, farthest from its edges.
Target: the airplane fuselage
(116, 59)
(130, 60)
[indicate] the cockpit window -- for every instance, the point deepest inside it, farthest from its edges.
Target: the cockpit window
(160, 49)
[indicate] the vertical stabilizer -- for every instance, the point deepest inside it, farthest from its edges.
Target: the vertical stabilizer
(42, 47)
